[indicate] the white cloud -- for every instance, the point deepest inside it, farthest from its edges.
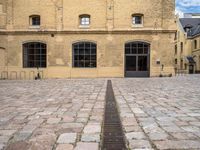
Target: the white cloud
(188, 3)
(179, 12)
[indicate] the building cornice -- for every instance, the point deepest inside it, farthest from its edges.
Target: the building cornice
(17, 32)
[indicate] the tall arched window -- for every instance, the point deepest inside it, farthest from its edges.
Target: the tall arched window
(84, 55)
(34, 55)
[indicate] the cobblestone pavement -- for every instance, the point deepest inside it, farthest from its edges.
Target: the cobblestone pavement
(160, 113)
(51, 114)
(156, 113)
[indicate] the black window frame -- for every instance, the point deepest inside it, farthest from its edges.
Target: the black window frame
(35, 20)
(84, 20)
(84, 55)
(137, 19)
(34, 55)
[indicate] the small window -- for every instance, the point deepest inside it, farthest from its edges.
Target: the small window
(195, 44)
(181, 47)
(175, 49)
(84, 20)
(35, 20)
(176, 61)
(137, 19)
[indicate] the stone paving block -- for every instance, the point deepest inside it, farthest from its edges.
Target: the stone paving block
(64, 147)
(92, 128)
(158, 136)
(21, 145)
(132, 129)
(129, 121)
(53, 120)
(173, 129)
(67, 138)
(90, 138)
(68, 119)
(4, 139)
(191, 128)
(7, 132)
(21, 136)
(139, 144)
(184, 136)
(86, 146)
(181, 144)
(82, 120)
(135, 136)
(36, 122)
(2, 146)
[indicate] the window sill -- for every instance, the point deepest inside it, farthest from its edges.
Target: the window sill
(34, 27)
(84, 26)
(137, 26)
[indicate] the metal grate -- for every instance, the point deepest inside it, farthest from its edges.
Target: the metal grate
(113, 138)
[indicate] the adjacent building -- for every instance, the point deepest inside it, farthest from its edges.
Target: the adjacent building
(90, 38)
(187, 46)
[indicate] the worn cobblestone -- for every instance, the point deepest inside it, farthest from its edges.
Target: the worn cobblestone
(165, 109)
(160, 113)
(35, 114)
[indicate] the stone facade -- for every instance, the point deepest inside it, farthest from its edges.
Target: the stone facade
(110, 28)
(187, 44)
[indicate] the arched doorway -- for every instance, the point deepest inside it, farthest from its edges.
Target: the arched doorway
(137, 59)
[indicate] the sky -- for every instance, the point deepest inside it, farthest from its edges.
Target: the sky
(187, 6)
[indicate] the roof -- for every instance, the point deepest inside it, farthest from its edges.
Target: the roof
(190, 59)
(193, 24)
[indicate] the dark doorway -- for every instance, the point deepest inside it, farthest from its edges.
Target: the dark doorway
(137, 59)
(191, 69)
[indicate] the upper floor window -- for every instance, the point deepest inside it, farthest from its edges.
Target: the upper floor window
(84, 20)
(175, 49)
(176, 61)
(181, 47)
(34, 55)
(195, 44)
(34, 20)
(137, 19)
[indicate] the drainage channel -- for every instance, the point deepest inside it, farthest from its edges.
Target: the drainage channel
(113, 137)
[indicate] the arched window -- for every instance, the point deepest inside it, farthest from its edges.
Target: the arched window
(84, 55)
(34, 20)
(137, 48)
(137, 19)
(84, 20)
(34, 55)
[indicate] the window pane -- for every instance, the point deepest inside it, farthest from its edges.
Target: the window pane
(137, 19)
(142, 63)
(128, 49)
(93, 57)
(146, 49)
(87, 57)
